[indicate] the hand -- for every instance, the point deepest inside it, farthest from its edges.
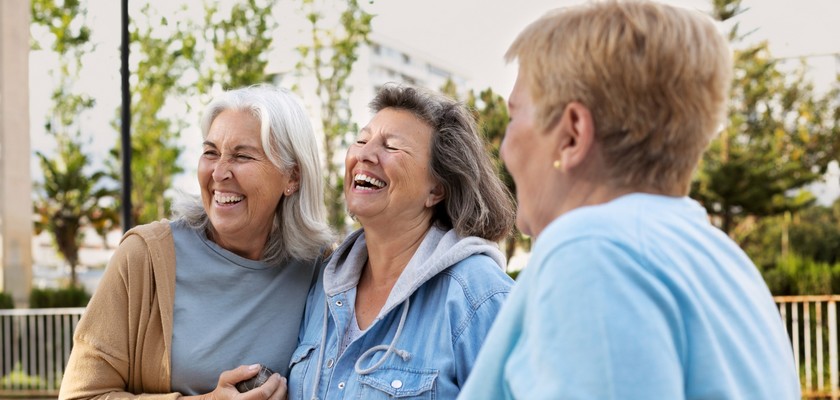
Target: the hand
(273, 389)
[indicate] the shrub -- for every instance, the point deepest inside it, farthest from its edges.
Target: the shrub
(798, 275)
(17, 378)
(6, 301)
(71, 296)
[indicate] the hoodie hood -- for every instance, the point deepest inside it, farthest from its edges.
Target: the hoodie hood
(439, 250)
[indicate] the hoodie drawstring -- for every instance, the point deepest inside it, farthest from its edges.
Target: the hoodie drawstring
(388, 349)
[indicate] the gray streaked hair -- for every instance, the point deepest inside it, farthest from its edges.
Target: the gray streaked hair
(299, 230)
(476, 202)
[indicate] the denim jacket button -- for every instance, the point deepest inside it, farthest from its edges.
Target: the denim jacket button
(330, 363)
(339, 303)
(341, 385)
(396, 384)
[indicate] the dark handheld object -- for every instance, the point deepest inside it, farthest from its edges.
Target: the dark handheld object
(256, 381)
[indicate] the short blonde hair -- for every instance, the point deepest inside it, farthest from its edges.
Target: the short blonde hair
(654, 77)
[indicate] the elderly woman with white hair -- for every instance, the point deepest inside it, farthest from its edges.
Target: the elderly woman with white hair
(193, 306)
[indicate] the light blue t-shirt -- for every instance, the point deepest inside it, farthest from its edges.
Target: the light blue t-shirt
(231, 311)
(639, 298)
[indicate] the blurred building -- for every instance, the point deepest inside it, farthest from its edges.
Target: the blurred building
(382, 61)
(390, 62)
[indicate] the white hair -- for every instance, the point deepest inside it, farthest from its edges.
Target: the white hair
(299, 229)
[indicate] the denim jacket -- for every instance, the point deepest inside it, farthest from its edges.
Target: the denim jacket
(424, 341)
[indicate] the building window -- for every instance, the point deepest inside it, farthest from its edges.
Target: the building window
(439, 72)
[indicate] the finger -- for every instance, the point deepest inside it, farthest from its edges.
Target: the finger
(238, 374)
(274, 384)
(282, 390)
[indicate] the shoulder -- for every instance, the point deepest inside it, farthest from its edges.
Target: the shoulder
(154, 231)
(477, 278)
(149, 241)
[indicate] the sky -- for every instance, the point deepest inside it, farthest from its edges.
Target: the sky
(468, 36)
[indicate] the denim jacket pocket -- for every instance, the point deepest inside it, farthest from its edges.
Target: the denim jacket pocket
(298, 366)
(400, 383)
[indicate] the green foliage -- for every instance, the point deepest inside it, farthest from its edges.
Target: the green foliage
(70, 197)
(71, 296)
(330, 58)
(797, 275)
(240, 43)
(18, 379)
(491, 113)
(6, 301)
(514, 274)
(157, 110)
(813, 233)
(779, 139)
(60, 21)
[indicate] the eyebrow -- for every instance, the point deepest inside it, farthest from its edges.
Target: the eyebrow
(384, 134)
(236, 148)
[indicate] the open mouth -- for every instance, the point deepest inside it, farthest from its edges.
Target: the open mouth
(364, 182)
(227, 198)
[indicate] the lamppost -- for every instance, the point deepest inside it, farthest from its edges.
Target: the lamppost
(126, 124)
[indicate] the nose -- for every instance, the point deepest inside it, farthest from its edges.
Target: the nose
(221, 171)
(367, 152)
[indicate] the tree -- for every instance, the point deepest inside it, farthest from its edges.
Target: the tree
(492, 115)
(779, 139)
(330, 58)
(239, 42)
(165, 56)
(69, 198)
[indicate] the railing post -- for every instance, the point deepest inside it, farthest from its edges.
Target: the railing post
(794, 316)
(806, 327)
(832, 347)
(820, 358)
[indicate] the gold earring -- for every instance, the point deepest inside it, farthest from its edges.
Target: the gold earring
(556, 164)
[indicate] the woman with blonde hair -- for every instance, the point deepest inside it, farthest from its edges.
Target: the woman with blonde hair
(630, 292)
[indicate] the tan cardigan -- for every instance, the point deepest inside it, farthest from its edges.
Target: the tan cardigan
(122, 344)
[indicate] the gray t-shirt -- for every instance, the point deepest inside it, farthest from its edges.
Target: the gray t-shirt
(231, 311)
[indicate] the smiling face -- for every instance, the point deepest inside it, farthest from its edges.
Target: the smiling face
(240, 187)
(387, 175)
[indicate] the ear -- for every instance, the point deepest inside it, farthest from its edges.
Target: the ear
(576, 131)
(435, 195)
(293, 184)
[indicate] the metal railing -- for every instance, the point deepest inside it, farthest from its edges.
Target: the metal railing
(811, 324)
(35, 345)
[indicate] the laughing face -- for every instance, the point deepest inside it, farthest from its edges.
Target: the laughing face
(387, 176)
(240, 187)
